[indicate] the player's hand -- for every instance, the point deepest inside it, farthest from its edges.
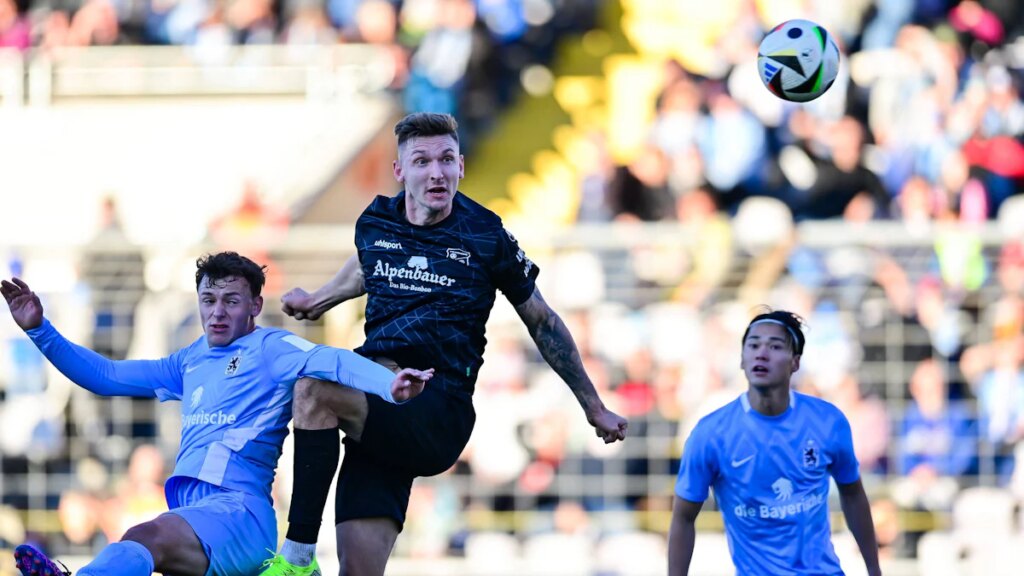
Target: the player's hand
(609, 426)
(409, 382)
(298, 304)
(26, 309)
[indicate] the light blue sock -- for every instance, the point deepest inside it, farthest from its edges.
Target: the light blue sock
(126, 558)
(297, 553)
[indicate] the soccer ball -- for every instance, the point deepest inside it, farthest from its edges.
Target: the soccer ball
(798, 60)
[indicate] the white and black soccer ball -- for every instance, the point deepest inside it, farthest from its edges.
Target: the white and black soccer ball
(798, 60)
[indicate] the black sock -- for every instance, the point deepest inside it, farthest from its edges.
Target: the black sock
(316, 460)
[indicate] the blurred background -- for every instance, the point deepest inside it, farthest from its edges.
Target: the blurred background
(663, 191)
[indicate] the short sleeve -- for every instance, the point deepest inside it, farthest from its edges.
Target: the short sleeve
(845, 468)
(514, 273)
(697, 468)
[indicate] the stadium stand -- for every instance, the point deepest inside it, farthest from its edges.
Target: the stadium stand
(675, 195)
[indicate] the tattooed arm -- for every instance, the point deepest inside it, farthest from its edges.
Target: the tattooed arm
(556, 345)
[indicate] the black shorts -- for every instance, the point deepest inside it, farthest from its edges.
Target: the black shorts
(422, 437)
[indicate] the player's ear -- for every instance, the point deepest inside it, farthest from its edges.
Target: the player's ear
(257, 306)
(396, 168)
(796, 362)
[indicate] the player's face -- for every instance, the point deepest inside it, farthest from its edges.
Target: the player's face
(430, 168)
(768, 358)
(228, 309)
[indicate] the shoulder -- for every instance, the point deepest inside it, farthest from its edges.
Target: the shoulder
(818, 405)
(382, 207)
(719, 421)
(822, 411)
(279, 337)
(476, 217)
(475, 210)
(193, 351)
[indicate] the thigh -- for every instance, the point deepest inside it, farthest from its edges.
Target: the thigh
(424, 436)
(322, 404)
(234, 528)
(174, 545)
(369, 488)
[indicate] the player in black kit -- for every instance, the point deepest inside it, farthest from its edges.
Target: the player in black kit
(430, 260)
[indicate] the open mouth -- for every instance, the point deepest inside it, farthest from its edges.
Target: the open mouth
(437, 191)
(759, 370)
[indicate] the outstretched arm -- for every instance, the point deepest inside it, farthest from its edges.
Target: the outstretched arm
(556, 345)
(857, 511)
(345, 285)
(291, 357)
(682, 535)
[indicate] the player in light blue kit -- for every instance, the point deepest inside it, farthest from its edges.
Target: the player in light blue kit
(769, 455)
(235, 383)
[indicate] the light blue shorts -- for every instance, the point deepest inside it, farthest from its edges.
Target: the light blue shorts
(235, 528)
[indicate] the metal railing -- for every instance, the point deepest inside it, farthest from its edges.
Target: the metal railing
(315, 72)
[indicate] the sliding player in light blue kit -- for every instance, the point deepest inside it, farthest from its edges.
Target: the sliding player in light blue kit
(235, 383)
(769, 456)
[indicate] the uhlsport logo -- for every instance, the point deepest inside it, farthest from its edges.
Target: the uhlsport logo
(388, 244)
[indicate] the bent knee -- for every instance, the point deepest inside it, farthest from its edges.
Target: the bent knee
(147, 534)
(308, 390)
(315, 403)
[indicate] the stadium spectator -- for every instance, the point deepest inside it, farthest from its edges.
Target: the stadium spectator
(15, 29)
(711, 256)
(428, 303)
(997, 377)
(139, 496)
(869, 423)
(937, 442)
(759, 487)
(79, 513)
(219, 493)
(439, 64)
(113, 269)
(1010, 277)
(253, 226)
(842, 181)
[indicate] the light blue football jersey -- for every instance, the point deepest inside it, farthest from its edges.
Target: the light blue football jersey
(771, 481)
(236, 400)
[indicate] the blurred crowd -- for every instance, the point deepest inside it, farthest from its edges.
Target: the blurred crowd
(915, 306)
(925, 121)
(458, 56)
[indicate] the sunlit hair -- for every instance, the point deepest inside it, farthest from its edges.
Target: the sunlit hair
(230, 264)
(420, 124)
(793, 324)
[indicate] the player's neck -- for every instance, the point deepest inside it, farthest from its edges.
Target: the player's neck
(422, 216)
(769, 400)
